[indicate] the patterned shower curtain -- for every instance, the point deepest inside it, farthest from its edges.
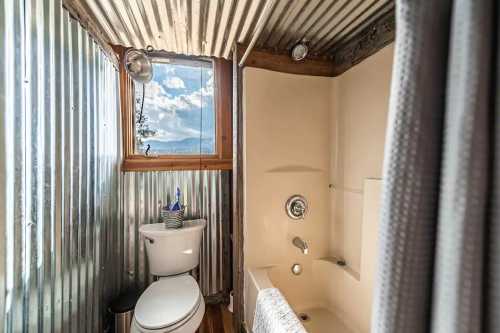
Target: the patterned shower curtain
(439, 264)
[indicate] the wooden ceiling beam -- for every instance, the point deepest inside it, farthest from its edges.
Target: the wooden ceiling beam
(280, 62)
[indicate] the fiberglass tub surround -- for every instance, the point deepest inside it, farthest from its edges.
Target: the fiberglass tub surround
(325, 294)
(321, 138)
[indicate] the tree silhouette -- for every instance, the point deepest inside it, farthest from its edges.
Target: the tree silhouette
(142, 129)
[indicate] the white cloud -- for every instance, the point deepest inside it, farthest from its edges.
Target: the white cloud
(163, 108)
(174, 82)
(175, 133)
(168, 69)
(162, 112)
(158, 100)
(208, 89)
(194, 98)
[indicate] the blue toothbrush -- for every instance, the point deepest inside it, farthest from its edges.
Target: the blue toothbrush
(177, 205)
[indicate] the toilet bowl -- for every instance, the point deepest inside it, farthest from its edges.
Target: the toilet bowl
(174, 303)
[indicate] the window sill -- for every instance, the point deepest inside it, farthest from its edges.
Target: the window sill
(171, 164)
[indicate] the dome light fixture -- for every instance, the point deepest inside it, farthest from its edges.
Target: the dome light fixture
(299, 51)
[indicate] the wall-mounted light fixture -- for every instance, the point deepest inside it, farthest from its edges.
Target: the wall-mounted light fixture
(138, 66)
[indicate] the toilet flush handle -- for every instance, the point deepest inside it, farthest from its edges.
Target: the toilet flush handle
(151, 240)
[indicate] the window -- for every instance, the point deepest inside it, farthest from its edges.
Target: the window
(181, 119)
(174, 113)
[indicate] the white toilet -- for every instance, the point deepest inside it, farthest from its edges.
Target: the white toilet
(174, 303)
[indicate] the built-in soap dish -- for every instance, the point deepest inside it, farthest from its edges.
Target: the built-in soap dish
(340, 262)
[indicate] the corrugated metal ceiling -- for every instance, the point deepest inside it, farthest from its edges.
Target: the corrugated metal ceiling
(210, 27)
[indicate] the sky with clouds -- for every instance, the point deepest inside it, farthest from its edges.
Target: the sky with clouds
(176, 98)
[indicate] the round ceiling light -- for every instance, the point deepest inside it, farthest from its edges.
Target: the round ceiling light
(299, 52)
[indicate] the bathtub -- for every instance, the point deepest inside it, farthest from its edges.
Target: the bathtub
(302, 292)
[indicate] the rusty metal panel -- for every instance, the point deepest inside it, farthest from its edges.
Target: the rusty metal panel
(210, 28)
(59, 172)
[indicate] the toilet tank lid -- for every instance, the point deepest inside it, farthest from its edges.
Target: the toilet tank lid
(159, 228)
(167, 302)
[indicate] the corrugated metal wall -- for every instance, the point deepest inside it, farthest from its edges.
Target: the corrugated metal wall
(59, 172)
(206, 195)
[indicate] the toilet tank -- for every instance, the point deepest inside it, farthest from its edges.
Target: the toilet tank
(172, 251)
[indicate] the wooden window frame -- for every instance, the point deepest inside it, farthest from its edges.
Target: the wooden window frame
(221, 160)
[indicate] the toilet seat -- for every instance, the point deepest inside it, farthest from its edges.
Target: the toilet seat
(168, 304)
(189, 325)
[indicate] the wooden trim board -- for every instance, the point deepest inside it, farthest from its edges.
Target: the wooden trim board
(238, 174)
(284, 63)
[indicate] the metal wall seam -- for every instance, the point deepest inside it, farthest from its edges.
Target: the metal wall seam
(11, 25)
(59, 172)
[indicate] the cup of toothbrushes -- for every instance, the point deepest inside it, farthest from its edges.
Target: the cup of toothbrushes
(173, 214)
(172, 218)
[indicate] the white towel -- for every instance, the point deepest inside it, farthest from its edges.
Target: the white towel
(273, 314)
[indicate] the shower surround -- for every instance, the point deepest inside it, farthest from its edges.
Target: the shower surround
(321, 138)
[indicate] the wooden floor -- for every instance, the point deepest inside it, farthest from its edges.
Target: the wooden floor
(217, 319)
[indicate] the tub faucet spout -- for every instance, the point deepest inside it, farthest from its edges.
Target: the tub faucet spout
(301, 244)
